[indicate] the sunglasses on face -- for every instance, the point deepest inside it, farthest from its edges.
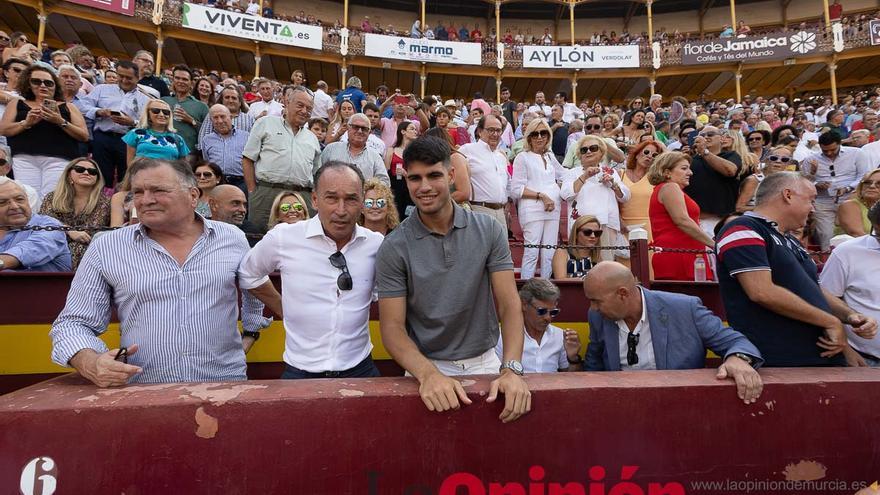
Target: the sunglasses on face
(589, 149)
(359, 128)
(163, 111)
(42, 82)
(757, 138)
(204, 175)
(632, 340)
(593, 127)
(5, 39)
(775, 158)
(3, 162)
(83, 170)
(652, 154)
(540, 134)
(344, 281)
(375, 203)
(590, 232)
(543, 311)
(286, 207)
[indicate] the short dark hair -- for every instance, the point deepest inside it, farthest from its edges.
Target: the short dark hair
(13, 60)
(370, 106)
(184, 68)
(563, 95)
(128, 64)
(181, 168)
(429, 150)
(829, 137)
(337, 165)
(318, 121)
(505, 88)
(218, 172)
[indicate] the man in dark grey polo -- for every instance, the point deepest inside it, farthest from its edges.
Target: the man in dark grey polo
(436, 274)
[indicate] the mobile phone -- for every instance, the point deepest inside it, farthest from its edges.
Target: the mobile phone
(52, 104)
(116, 113)
(691, 136)
(400, 100)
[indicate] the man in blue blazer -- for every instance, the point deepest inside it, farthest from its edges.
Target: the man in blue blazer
(633, 328)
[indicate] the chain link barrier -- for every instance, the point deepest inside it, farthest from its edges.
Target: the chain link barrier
(656, 249)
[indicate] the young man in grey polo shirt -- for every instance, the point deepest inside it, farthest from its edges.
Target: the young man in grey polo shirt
(436, 274)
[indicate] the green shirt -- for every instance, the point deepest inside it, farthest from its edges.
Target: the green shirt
(197, 110)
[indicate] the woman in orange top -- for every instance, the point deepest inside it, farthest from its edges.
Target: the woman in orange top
(635, 176)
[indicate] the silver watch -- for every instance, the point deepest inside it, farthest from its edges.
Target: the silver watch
(512, 365)
(2, 264)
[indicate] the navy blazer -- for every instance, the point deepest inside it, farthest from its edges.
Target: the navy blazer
(681, 331)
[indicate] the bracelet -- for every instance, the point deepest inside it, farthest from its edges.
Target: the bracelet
(579, 360)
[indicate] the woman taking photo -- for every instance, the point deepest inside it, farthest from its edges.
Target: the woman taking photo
(339, 125)
(379, 213)
(573, 263)
(593, 190)
(535, 184)
(675, 219)
(155, 136)
(43, 131)
(852, 215)
(208, 176)
(78, 200)
(406, 133)
(288, 207)
(634, 213)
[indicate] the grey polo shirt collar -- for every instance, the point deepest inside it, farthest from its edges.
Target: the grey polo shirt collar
(459, 221)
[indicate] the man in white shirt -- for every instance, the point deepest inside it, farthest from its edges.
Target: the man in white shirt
(267, 105)
(323, 102)
(488, 168)
(570, 111)
(852, 273)
(327, 266)
(869, 156)
(540, 107)
(546, 348)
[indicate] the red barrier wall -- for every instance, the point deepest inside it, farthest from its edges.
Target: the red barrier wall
(658, 431)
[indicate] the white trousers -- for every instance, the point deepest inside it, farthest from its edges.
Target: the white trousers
(486, 363)
(40, 172)
(538, 232)
(496, 214)
(825, 215)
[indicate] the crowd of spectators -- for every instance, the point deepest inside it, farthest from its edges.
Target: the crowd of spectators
(357, 195)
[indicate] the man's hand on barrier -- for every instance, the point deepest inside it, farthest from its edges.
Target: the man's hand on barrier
(748, 382)
(442, 393)
(517, 398)
(863, 326)
(103, 369)
(853, 358)
(834, 340)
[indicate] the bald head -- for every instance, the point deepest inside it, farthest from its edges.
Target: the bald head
(612, 291)
(609, 275)
(228, 204)
(221, 119)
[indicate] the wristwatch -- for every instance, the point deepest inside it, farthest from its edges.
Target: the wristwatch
(745, 357)
(64, 124)
(512, 365)
(579, 360)
(2, 265)
(253, 335)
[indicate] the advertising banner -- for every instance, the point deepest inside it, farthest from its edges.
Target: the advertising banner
(125, 7)
(422, 50)
(772, 46)
(581, 57)
(250, 27)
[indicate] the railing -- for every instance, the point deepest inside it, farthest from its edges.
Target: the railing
(670, 48)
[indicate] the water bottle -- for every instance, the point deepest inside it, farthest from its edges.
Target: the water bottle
(699, 269)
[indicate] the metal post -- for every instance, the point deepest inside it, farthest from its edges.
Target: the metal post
(160, 42)
(498, 87)
(574, 87)
(738, 76)
(653, 81)
(345, 13)
(257, 59)
(639, 262)
(422, 17)
(423, 77)
(571, 17)
(827, 17)
(498, 24)
(832, 72)
(733, 15)
(42, 16)
(650, 22)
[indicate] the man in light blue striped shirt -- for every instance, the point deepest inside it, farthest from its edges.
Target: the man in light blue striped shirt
(173, 281)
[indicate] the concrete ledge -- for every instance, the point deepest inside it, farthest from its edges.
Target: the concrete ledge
(636, 432)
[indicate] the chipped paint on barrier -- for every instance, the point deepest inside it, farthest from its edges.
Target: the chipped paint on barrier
(206, 425)
(350, 393)
(218, 394)
(770, 404)
(468, 383)
(804, 471)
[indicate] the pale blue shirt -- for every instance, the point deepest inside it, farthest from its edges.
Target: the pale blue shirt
(38, 250)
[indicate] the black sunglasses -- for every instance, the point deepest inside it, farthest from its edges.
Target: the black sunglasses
(632, 340)
(3, 162)
(652, 154)
(756, 138)
(344, 282)
(591, 148)
(82, 170)
(543, 311)
(590, 232)
(542, 133)
(783, 159)
(593, 127)
(122, 354)
(35, 81)
(163, 111)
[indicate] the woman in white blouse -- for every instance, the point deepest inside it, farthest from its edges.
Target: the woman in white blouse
(535, 183)
(593, 190)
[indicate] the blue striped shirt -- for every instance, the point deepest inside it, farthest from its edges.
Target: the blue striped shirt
(183, 318)
(225, 151)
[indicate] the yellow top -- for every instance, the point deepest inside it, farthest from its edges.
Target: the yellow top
(635, 211)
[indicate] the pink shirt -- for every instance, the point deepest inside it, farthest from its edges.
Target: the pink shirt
(389, 130)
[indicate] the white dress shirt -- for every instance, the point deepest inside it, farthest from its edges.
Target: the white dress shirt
(488, 169)
(323, 104)
(645, 348)
(853, 272)
(869, 157)
(570, 111)
(538, 175)
(595, 198)
(275, 108)
(326, 329)
(848, 171)
(541, 109)
(547, 357)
